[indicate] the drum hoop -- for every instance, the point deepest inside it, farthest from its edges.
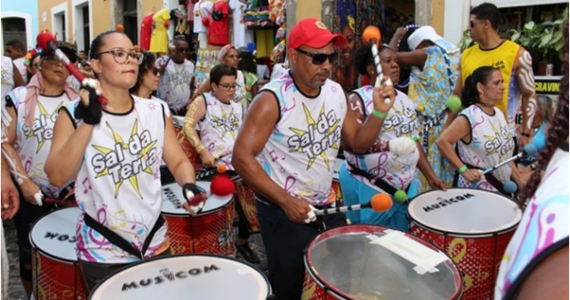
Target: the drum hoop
(35, 245)
(55, 258)
(131, 265)
(201, 214)
(502, 231)
(323, 283)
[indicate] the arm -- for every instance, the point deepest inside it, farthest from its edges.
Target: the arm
(424, 166)
(197, 111)
(10, 199)
(459, 129)
(360, 137)
(204, 88)
(525, 78)
(415, 57)
(174, 157)
(18, 79)
(254, 133)
(549, 280)
(355, 106)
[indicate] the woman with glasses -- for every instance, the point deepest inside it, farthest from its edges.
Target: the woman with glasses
(114, 151)
(391, 164)
(219, 118)
(34, 109)
(147, 79)
(229, 56)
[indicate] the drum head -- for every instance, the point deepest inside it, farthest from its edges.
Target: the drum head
(373, 262)
(54, 234)
(465, 211)
(172, 199)
(204, 277)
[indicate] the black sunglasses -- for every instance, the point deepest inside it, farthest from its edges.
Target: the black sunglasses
(155, 71)
(320, 58)
(473, 23)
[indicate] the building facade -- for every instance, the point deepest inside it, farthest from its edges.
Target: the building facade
(19, 21)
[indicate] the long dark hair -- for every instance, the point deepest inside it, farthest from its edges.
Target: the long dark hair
(247, 62)
(146, 65)
(557, 131)
(470, 93)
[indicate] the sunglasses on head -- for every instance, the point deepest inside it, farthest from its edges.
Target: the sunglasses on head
(320, 58)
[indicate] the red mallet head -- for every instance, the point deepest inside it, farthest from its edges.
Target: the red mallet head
(222, 185)
(371, 33)
(44, 38)
(381, 202)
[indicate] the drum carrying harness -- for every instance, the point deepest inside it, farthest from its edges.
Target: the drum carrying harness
(120, 242)
(377, 181)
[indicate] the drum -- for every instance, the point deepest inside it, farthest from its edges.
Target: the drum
(472, 226)
(211, 231)
(246, 199)
(191, 276)
(55, 271)
(336, 183)
(188, 149)
(373, 262)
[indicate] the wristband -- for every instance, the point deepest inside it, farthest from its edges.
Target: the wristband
(462, 169)
(378, 114)
(525, 134)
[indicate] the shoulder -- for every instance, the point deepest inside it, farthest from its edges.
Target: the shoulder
(18, 95)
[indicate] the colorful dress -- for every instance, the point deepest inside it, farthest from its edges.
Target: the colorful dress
(542, 231)
(431, 86)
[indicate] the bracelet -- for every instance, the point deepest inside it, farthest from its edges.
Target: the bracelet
(462, 169)
(525, 134)
(379, 114)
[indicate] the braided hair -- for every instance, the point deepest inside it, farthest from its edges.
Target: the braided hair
(557, 131)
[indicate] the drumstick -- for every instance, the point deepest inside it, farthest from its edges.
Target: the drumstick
(453, 104)
(371, 35)
(47, 41)
(379, 203)
(529, 150)
(221, 185)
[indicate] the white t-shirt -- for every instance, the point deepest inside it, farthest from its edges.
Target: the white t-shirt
(174, 84)
(300, 153)
(33, 144)
(242, 36)
(202, 9)
(118, 183)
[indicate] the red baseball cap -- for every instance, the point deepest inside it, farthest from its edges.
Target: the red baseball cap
(313, 33)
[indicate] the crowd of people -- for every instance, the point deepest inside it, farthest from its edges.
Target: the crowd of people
(114, 131)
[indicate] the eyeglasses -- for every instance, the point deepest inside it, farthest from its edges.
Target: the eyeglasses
(52, 59)
(122, 56)
(473, 23)
(320, 58)
(229, 86)
(181, 50)
(156, 71)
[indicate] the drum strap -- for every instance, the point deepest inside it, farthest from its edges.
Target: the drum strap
(491, 179)
(377, 181)
(120, 242)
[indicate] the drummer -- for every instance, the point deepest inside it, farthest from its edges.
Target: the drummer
(114, 154)
(295, 124)
(220, 119)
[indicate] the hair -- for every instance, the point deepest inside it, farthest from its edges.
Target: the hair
(146, 65)
(544, 107)
(224, 51)
(31, 65)
(17, 45)
(363, 58)
(247, 62)
(488, 12)
(97, 43)
(557, 131)
(470, 93)
(220, 71)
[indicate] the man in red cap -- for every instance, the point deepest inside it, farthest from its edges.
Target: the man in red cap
(294, 127)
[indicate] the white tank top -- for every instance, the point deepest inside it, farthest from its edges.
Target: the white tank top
(300, 153)
(491, 143)
(118, 183)
(401, 121)
(220, 127)
(33, 143)
(7, 77)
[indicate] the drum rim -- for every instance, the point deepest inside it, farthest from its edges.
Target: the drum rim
(185, 213)
(342, 295)
(413, 219)
(50, 255)
(131, 265)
